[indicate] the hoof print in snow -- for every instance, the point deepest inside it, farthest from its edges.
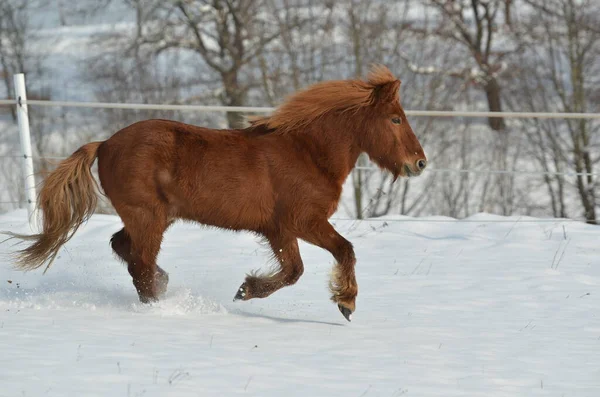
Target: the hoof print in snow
(346, 312)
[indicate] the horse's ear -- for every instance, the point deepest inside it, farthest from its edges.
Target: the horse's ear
(387, 92)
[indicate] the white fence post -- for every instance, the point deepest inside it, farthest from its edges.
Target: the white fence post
(26, 155)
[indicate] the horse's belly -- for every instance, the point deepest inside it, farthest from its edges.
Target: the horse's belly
(232, 203)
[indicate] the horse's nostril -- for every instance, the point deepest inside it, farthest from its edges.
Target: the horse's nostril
(421, 164)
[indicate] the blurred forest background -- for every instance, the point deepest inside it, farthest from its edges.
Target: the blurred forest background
(476, 55)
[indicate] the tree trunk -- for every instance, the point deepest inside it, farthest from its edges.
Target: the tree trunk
(358, 190)
(7, 82)
(585, 185)
(234, 96)
(492, 92)
(235, 119)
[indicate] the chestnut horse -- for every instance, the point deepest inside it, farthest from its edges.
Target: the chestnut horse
(281, 177)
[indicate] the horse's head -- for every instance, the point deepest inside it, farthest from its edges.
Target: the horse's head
(368, 113)
(386, 135)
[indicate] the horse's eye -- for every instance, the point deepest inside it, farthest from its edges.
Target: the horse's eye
(397, 120)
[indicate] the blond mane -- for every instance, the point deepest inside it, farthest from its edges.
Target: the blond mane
(304, 107)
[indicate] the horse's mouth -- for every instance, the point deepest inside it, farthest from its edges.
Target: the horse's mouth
(410, 172)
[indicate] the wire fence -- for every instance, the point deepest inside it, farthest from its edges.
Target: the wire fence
(449, 220)
(433, 170)
(422, 113)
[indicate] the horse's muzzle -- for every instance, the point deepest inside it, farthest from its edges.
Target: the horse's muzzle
(416, 169)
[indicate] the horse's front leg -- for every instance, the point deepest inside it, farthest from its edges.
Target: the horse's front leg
(343, 285)
(286, 251)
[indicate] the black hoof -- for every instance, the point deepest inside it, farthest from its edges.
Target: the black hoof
(241, 294)
(346, 312)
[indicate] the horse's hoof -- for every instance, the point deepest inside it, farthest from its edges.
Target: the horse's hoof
(161, 281)
(347, 313)
(242, 293)
(147, 299)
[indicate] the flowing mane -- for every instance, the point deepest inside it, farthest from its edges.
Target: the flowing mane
(308, 105)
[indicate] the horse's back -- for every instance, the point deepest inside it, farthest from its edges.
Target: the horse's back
(215, 177)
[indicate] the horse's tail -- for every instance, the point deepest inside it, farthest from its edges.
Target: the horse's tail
(67, 199)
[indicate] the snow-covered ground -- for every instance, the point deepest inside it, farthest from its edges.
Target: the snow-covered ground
(445, 308)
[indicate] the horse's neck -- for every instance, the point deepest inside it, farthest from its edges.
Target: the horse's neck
(333, 153)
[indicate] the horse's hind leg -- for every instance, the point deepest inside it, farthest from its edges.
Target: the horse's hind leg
(138, 245)
(121, 245)
(287, 253)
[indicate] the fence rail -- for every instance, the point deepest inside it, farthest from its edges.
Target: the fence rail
(255, 109)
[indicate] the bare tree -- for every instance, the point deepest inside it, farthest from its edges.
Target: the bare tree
(16, 56)
(305, 50)
(473, 26)
(226, 35)
(14, 30)
(560, 72)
